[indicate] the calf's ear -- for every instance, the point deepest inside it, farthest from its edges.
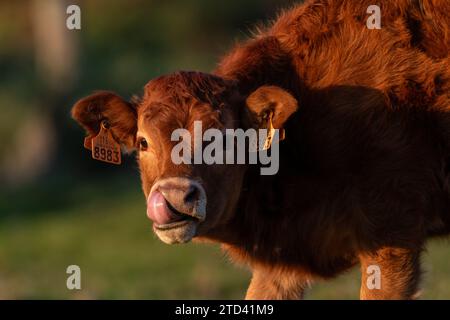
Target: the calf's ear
(270, 103)
(108, 108)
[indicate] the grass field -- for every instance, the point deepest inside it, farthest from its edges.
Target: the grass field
(106, 233)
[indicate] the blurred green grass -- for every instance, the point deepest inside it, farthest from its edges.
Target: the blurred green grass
(104, 230)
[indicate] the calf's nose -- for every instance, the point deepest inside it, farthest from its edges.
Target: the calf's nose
(192, 194)
(183, 195)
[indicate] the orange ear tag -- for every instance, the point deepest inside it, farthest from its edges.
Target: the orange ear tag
(256, 146)
(104, 147)
(270, 134)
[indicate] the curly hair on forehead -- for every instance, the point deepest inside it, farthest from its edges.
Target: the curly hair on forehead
(185, 86)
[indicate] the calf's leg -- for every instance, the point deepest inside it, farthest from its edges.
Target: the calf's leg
(274, 284)
(390, 273)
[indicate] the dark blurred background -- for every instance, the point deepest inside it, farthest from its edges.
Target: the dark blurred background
(58, 206)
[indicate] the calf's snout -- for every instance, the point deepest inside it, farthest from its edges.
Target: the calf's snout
(182, 196)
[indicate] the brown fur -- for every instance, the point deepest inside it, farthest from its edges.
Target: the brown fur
(364, 172)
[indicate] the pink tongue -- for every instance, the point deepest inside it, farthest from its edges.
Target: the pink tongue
(157, 209)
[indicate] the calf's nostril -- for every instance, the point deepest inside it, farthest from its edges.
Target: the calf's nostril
(191, 195)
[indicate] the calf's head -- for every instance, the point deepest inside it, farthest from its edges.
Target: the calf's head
(184, 200)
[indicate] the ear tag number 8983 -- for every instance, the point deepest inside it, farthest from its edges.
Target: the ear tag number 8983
(105, 148)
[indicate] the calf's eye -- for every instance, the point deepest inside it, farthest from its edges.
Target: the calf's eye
(143, 145)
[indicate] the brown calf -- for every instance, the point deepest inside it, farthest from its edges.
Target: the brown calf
(364, 169)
